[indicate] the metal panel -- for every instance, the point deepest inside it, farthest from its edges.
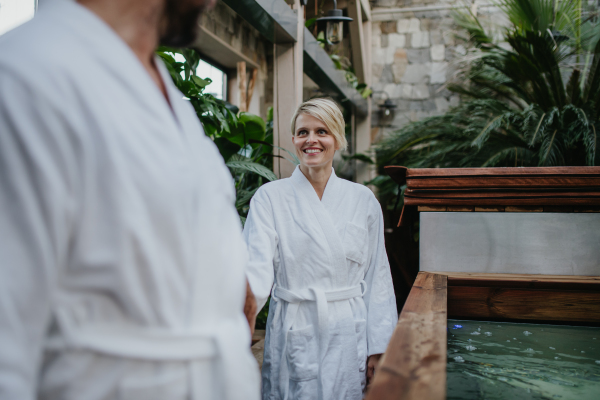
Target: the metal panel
(518, 243)
(319, 67)
(274, 19)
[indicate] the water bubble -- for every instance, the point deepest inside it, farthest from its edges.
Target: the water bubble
(475, 333)
(582, 352)
(459, 359)
(471, 348)
(514, 338)
(469, 340)
(503, 379)
(551, 348)
(530, 350)
(479, 329)
(508, 341)
(597, 361)
(488, 333)
(527, 333)
(557, 358)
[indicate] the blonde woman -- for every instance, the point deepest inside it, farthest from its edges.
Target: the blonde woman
(316, 245)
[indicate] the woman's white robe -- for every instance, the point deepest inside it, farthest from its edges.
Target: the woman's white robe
(121, 254)
(319, 256)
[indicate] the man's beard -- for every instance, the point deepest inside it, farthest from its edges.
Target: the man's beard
(180, 22)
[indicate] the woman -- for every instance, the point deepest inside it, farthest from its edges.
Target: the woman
(316, 244)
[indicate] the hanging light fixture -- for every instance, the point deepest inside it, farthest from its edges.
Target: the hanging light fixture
(387, 112)
(334, 32)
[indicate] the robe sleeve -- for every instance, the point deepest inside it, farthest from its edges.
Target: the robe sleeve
(380, 300)
(35, 216)
(261, 239)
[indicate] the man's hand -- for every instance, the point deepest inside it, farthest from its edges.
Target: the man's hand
(372, 365)
(250, 308)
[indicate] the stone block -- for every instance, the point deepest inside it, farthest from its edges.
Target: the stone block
(420, 39)
(437, 52)
(376, 70)
(441, 104)
(400, 64)
(415, 73)
(388, 27)
(437, 72)
(406, 91)
(448, 37)
(396, 40)
(384, 41)
(392, 90)
(418, 56)
(402, 25)
(414, 25)
(420, 91)
(435, 37)
(386, 75)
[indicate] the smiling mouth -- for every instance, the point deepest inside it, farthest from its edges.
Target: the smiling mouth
(312, 151)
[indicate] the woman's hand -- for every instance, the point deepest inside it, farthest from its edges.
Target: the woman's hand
(250, 308)
(372, 365)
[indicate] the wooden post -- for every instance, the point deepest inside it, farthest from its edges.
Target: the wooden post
(288, 74)
(251, 86)
(241, 78)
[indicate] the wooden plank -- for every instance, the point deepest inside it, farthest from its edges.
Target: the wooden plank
(251, 86)
(523, 209)
(432, 208)
(523, 304)
(586, 209)
(558, 209)
(414, 364)
(489, 209)
(567, 282)
(357, 41)
(242, 85)
(461, 208)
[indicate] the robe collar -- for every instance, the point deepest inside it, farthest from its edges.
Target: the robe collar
(300, 179)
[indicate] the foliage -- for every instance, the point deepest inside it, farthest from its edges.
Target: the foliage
(244, 140)
(533, 102)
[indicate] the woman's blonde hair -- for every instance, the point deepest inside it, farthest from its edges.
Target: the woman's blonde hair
(327, 111)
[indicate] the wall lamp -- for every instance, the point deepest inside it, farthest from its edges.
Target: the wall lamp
(334, 32)
(387, 110)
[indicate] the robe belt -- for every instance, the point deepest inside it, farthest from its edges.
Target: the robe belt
(321, 297)
(221, 341)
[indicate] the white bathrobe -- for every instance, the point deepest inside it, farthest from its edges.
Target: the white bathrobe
(122, 261)
(333, 303)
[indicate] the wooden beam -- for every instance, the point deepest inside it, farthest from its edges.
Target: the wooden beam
(220, 51)
(287, 86)
(521, 280)
(242, 86)
(433, 208)
(507, 304)
(357, 41)
(414, 364)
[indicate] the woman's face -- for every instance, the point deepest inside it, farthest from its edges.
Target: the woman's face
(315, 145)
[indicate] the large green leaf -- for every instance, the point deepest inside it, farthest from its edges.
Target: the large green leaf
(253, 167)
(249, 127)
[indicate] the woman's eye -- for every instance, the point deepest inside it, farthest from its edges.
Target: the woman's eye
(322, 132)
(301, 133)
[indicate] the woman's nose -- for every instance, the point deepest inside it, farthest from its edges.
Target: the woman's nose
(312, 138)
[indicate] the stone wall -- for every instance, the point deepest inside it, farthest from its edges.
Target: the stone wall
(415, 52)
(241, 36)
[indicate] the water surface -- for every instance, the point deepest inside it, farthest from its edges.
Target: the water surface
(502, 360)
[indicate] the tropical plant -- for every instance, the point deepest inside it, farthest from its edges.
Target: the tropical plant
(532, 101)
(244, 140)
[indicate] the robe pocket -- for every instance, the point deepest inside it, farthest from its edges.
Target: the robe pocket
(361, 343)
(355, 241)
(171, 384)
(303, 354)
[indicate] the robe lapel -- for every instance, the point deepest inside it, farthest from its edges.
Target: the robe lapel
(337, 256)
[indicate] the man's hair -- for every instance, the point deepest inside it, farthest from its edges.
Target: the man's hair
(327, 111)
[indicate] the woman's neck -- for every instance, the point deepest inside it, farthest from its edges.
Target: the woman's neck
(318, 177)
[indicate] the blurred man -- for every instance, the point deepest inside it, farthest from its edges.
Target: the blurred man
(121, 255)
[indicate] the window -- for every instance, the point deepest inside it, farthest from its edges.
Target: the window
(218, 86)
(15, 12)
